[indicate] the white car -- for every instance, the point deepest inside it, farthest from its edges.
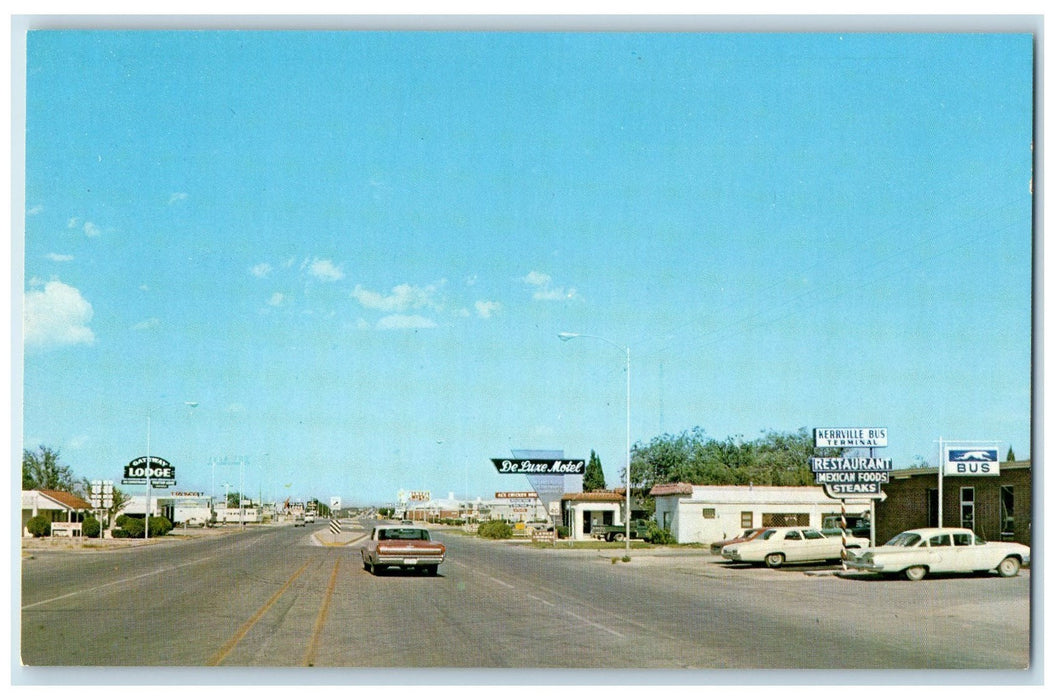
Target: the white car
(779, 545)
(915, 553)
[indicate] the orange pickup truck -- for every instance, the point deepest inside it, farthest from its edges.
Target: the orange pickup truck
(402, 546)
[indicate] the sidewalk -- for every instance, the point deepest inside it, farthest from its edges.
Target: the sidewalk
(86, 544)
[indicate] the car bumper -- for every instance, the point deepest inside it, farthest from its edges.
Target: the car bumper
(865, 566)
(410, 561)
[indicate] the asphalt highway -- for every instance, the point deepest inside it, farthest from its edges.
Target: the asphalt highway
(277, 597)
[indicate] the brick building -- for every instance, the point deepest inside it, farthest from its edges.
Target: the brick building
(995, 507)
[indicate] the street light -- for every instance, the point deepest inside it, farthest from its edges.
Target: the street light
(568, 336)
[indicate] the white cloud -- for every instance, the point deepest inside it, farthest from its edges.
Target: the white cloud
(59, 257)
(403, 297)
(177, 197)
(261, 270)
(56, 316)
(91, 230)
(33, 211)
(324, 270)
(486, 309)
(544, 291)
(537, 279)
(404, 322)
(276, 299)
(148, 324)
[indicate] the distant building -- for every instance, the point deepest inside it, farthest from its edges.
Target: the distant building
(59, 507)
(583, 511)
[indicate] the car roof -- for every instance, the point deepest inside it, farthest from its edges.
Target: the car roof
(931, 531)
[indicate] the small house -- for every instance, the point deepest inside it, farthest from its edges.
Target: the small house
(708, 514)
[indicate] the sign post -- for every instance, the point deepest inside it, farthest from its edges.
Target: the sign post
(852, 477)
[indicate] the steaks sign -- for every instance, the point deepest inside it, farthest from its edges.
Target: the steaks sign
(539, 466)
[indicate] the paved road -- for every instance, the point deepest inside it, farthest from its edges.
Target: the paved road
(269, 597)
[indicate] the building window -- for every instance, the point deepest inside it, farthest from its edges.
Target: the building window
(967, 507)
(785, 519)
(1007, 511)
(747, 519)
(932, 507)
(708, 513)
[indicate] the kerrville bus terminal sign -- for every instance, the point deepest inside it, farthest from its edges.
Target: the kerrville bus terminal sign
(851, 477)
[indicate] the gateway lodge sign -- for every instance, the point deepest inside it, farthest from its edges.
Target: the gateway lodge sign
(161, 473)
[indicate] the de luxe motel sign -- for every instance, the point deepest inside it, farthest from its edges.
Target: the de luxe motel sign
(159, 471)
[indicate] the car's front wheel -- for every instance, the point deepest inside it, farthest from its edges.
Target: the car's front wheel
(1008, 567)
(774, 560)
(915, 573)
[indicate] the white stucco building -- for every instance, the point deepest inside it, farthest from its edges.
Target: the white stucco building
(708, 514)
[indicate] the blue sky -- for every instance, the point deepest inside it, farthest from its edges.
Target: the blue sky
(354, 250)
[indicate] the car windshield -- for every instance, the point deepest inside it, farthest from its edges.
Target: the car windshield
(767, 534)
(905, 539)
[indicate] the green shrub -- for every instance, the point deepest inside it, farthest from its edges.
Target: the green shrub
(119, 534)
(658, 535)
(133, 527)
(39, 526)
(91, 527)
(121, 520)
(159, 526)
(563, 531)
(495, 530)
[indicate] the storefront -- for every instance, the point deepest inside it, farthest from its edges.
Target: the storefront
(997, 507)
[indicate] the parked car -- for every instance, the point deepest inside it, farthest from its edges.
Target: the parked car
(298, 520)
(779, 545)
(309, 517)
(915, 553)
(748, 534)
(857, 525)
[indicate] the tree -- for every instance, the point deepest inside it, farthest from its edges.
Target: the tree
(1010, 454)
(593, 479)
(43, 471)
(774, 459)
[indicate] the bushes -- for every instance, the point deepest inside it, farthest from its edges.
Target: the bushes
(127, 526)
(658, 535)
(160, 526)
(495, 530)
(91, 527)
(39, 526)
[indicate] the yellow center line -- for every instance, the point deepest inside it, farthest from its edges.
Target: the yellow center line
(218, 658)
(309, 656)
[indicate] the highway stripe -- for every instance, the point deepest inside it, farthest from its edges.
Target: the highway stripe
(553, 605)
(101, 586)
(226, 649)
(309, 656)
